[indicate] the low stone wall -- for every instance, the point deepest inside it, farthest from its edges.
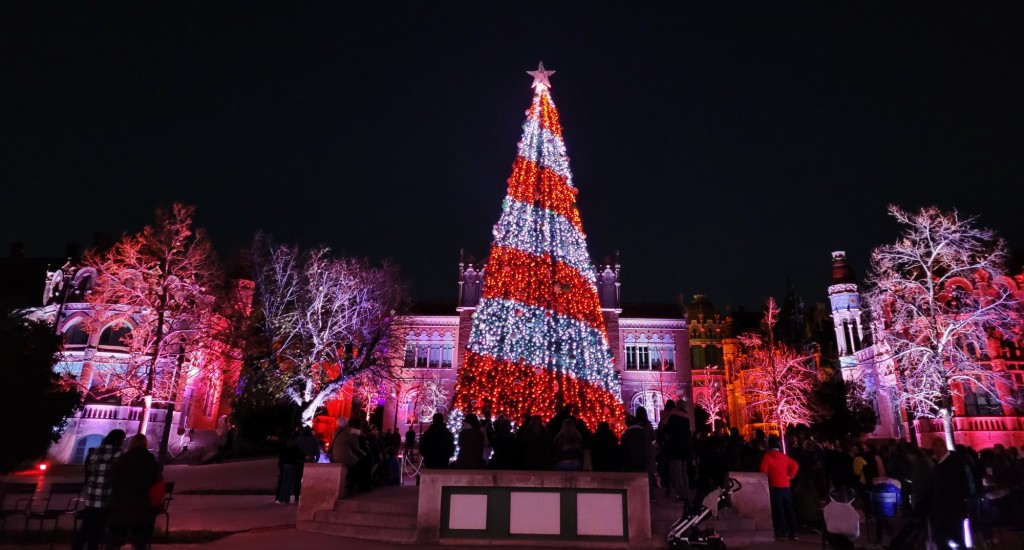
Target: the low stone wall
(566, 509)
(322, 486)
(753, 500)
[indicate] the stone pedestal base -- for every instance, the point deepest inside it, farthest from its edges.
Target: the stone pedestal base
(322, 486)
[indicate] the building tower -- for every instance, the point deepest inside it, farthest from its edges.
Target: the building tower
(846, 313)
(852, 341)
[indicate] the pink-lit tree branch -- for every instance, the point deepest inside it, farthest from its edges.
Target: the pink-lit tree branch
(713, 401)
(778, 381)
(159, 282)
(938, 295)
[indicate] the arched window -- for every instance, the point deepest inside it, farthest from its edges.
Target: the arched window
(75, 337)
(83, 446)
(652, 400)
(115, 336)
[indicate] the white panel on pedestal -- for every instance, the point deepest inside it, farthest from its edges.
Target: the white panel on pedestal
(535, 513)
(467, 512)
(599, 514)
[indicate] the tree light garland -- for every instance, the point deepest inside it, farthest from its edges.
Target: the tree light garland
(538, 337)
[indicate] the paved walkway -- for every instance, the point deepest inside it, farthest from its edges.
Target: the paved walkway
(292, 539)
(260, 524)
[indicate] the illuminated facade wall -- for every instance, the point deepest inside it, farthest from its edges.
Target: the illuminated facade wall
(650, 345)
(979, 421)
(202, 402)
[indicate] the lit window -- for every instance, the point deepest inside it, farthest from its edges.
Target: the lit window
(650, 357)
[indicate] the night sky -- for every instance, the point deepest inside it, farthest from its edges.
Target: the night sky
(721, 148)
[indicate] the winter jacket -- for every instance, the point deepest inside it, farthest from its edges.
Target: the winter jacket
(636, 449)
(345, 448)
(676, 437)
(131, 478)
(780, 469)
(604, 451)
(471, 450)
(946, 498)
(538, 450)
(437, 445)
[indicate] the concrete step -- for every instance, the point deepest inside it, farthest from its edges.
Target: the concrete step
(379, 507)
(367, 519)
(363, 532)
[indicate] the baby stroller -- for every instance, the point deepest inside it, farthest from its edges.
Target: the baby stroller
(685, 533)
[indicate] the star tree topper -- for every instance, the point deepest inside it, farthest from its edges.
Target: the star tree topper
(540, 76)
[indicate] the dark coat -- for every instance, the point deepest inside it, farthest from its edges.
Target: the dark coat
(677, 437)
(947, 494)
(636, 449)
(131, 478)
(506, 451)
(538, 450)
(604, 451)
(471, 450)
(555, 424)
(437, 445)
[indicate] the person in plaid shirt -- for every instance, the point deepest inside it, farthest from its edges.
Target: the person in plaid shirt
(97, 491)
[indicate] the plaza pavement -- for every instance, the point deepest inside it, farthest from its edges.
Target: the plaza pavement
(290, 539)
(257, 523)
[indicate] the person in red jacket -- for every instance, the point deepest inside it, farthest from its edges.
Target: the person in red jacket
(781, 470)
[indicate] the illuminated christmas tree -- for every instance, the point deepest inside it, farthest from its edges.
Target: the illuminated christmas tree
(538, 338)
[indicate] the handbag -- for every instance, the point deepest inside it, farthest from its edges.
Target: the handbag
(157, 493)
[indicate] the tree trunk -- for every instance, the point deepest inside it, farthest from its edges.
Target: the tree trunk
(308, 411)
(946, 413)
(147, 399)
(947, 426)
(165, 437)
(147, 406)
(912, 429)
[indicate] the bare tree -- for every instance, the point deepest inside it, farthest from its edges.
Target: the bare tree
(938, 295)
(778, 381)
(713, 401)
(325, 320)
(431, 397)
(160, 282)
